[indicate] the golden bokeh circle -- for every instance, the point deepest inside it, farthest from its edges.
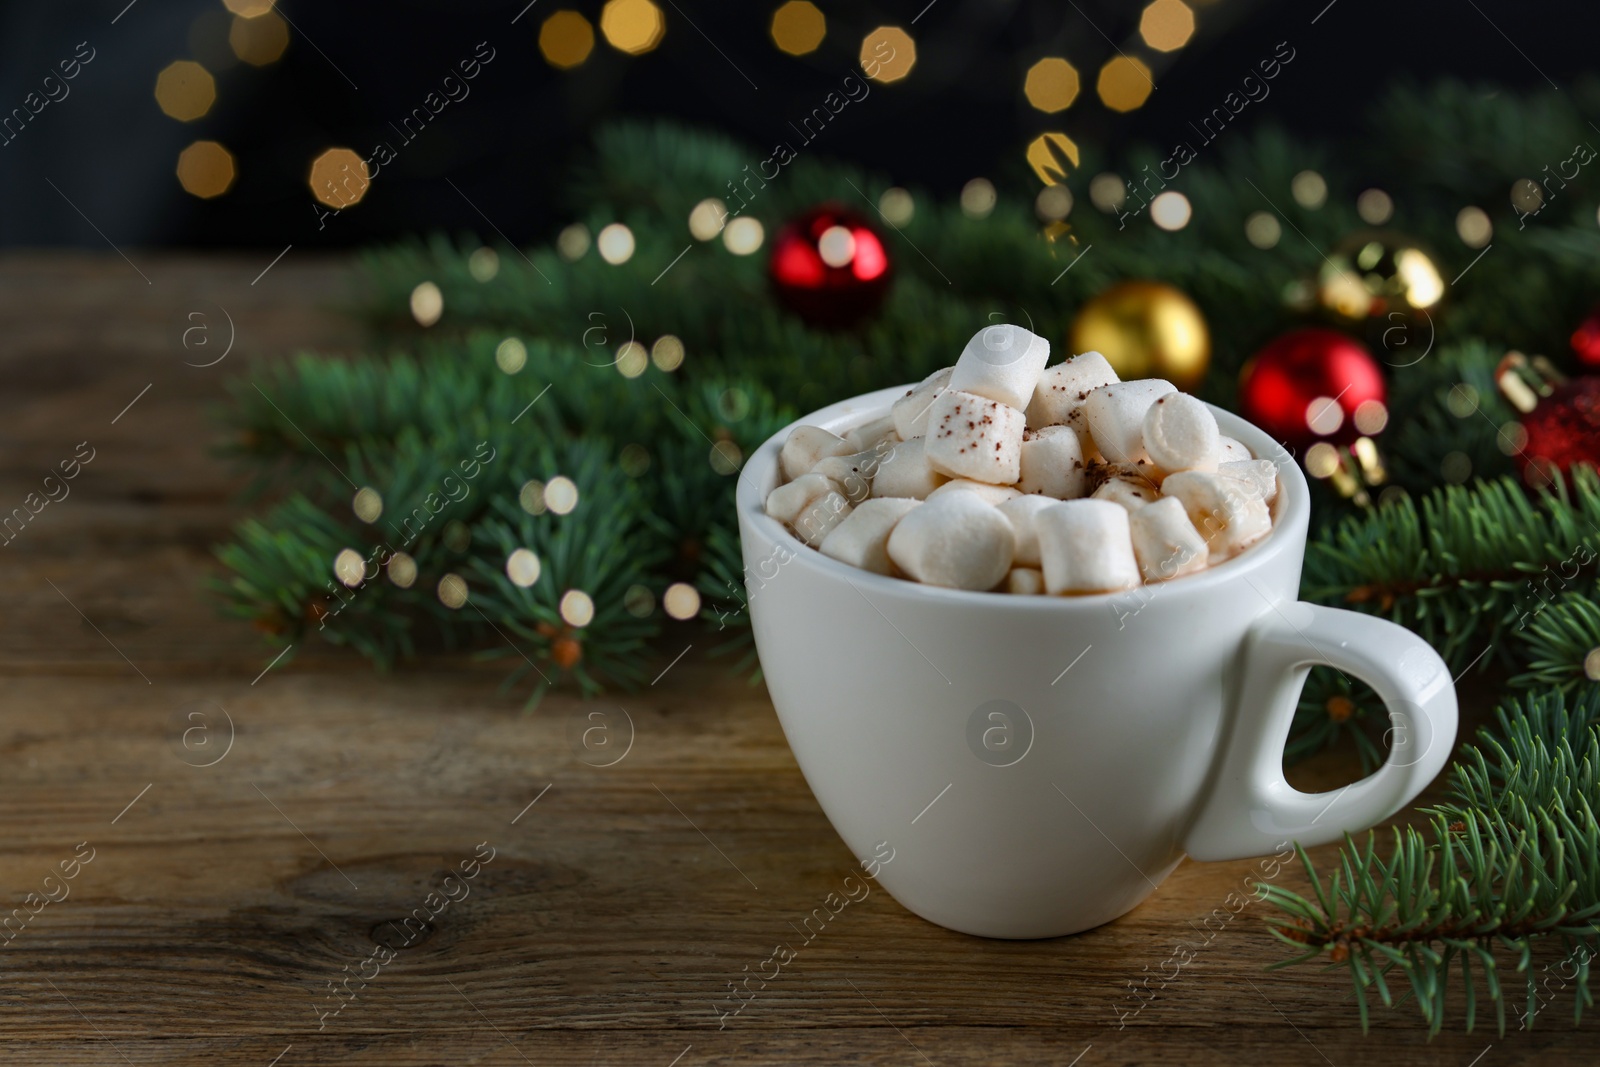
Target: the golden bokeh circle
(206, 169)
(259, 40)
(185, 90)
(1167, 25)
(1051, 84)
(453, 591)
(523, 568)
(632, 26)
(402, 570)
(798, 27)
(248, 8)
(566, 39)
(427, 303)
(1052, 155)
(887, 54)
(367, 504)
(681, 601)
(577, 608)
(1124, 84)
(339, 178)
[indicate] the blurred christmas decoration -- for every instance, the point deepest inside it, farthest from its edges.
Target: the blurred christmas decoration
(1586, 340)
(1145, 329)
(830, 267)
(1379, 277)
(1314, 385)
(1560, 423)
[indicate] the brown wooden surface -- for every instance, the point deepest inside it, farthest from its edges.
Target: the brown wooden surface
(219, 906)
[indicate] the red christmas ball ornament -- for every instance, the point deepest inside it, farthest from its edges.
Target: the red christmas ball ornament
(830, 267)
(1563, 430)
(1586, 340)
(1314, 385)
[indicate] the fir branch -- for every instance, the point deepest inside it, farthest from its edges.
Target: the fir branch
(1561, 645)
(1509, 863)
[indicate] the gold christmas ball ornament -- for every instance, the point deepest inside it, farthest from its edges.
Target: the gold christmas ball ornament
(1145, 330)
(1378, 274)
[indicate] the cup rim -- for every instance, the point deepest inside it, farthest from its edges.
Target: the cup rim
(1291, 516)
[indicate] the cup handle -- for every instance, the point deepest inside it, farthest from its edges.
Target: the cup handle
(1250, 809)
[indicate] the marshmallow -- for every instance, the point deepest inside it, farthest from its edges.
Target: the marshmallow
(1025, 581)
(1021, 512)
(1051, 463)
(971, 436)
(1085, 547)
(1003, 363)
(1165, 542)
(1224, 510)
(1063, 388)
(1126, 484)
(806, 446)
(869, 434)
(1180, 434)
(1260, 474)
(956, 541)
(904, 471)
(853, 473)
(862, 539)
(989, 494)
(811, 504)
(910, 412)
(1231, 451)
(1116, 416)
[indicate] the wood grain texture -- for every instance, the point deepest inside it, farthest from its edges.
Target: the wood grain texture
(223, 900)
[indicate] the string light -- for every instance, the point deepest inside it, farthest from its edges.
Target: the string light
(1473, 227)
(561, 495)
(798, 27)
(1170, 210)
(632, 360)
(836, 246)
(1051, 85)
(577, 609)
(339, 178)
(1124, 83)
(667, 353)
(1370, 417)
(185, 90)
(1322, 459)
(531, 497)
(402, 570)
(205, 169)
(725, 458)
(706, 220)
(511, 355)
(248, 8)
(349, 567)
(1527, 196)
(1375, 207)
(453, 591)
(1263, 230)
(427, 304)
(1324, 415)
(1107, 192)
(572, 242)
(897, 206)
(483, 264)
(1053, 203)
(638, 601)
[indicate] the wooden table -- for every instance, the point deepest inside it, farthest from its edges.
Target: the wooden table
(224, 900)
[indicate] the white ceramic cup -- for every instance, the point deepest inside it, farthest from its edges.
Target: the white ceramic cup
(1038, 764)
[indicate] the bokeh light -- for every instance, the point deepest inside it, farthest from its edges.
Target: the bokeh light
(638, 601)
(726, 458)
(1107, 192)
(1370, 417)
(615, 244)
(1324, 415)
(1170, 210)
(681, 601)
(531, 497)
(1527, 195)
(427, 303)
(706, 219)
(206, 169)
(566, 39)
(667, 353)
(523, 567)
(1263, 229)
(1052, 155)
(888, 53)
(897, 206)
(185, 90)
(561, 495)
(511, 355)
(339, 178)
(1473, 227)
(349, 567)
(1051, 85)
(1053, 203)
(632, 26)
(978, 198)
(453, 591)
(573, 241)
(633, 359)
(1309, 188)
(1375, 207)
(260, 40)
(1167, 25)
(798, 27)
(1124, 84)
(743, 235)
(248, 8)
(367, 504)
(402, 570)
(1322, 459)
(483, 264)
(577, 609)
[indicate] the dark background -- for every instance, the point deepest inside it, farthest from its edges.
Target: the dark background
(353, 67)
